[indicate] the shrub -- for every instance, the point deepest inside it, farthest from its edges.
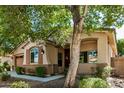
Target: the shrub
(100, 83)
(3, 73)
(106, 72)
(92, 82)
(103, 72)
(1, 68)
(20, 70)
(6, 66)
(65, 71)
(4, 76)
(86, 83)
(40, 71)
(99, 72)
(19, 84)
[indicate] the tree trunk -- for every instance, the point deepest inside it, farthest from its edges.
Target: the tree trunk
(74, 59)
(75, 46)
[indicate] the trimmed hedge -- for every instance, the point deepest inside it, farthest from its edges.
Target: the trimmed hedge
(65, 71)
(40, 71)
(92, 82)
(20, 70)
(6, 66)
(103, 72)
(4, 76)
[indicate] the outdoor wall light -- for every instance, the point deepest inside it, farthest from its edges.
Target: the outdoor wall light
(42, 51)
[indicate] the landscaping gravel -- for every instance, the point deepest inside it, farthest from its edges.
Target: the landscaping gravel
(116, 82)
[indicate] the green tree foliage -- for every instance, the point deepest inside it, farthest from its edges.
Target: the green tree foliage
(120, 46)
(104, 16)
(50, 22)
(17, 23)
(13, 25)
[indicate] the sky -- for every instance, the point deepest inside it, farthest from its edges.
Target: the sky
(120, 33)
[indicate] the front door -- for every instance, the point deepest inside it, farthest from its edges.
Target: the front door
(67, 58)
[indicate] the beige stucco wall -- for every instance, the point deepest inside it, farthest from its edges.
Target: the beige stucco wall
(34, 44)
(19, 49)
(86, 68)
(89, 68)
(27, 47)
(88, 45)
(110, 54)
(102, 45)
(51, 54)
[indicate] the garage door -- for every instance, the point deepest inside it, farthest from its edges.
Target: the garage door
(19, 60)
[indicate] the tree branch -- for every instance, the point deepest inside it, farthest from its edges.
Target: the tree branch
(85, 10)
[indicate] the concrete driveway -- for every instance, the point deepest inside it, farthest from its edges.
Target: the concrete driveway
(40, 79)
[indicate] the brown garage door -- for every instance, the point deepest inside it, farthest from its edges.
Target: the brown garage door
(19, 60)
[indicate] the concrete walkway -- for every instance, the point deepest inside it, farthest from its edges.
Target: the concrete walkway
(46, 79)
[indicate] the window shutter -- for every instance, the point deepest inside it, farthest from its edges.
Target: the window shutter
(27, 57)
(40, 59)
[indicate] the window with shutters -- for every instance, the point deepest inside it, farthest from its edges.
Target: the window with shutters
(34, 52)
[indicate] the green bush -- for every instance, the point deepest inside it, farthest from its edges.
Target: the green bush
(4, 76)
(2, 69)
(99, 72)
(6, 66)
(100, 83)
(92, 82)
(65, 71)
(20, 70)
(103, 72)
(19, 84)
(40, 71)
(106, 72)
(3, 73)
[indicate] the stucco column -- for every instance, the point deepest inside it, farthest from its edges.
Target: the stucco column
(14, 60)
(24, 60)
(102, 49)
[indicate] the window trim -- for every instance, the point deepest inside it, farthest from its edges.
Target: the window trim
(30, 55)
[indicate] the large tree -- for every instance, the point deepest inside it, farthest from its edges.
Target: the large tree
(89, 18)
(58, 23)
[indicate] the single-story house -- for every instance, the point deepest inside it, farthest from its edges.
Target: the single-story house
(96, 48)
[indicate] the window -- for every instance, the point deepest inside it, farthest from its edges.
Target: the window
(88, 56)
(83, 57)
(34, 55)
(92, 56)
(59, 59)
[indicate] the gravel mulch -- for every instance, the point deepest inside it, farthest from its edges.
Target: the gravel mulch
(116, 82)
